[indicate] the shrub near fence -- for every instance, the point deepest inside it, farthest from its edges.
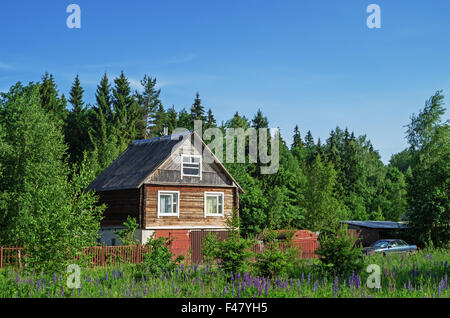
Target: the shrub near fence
(307, 248)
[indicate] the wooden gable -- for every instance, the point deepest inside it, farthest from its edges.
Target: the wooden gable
(169, 173)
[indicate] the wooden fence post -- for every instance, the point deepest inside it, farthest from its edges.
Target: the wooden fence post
(103, 255)
(1, 256)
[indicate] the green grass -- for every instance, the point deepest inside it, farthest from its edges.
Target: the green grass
(420, 275)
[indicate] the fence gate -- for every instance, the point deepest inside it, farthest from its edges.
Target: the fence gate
(197, 240)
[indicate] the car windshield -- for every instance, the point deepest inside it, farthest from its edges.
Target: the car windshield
(380, 244)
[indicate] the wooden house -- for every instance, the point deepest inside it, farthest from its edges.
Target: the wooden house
(167, 184)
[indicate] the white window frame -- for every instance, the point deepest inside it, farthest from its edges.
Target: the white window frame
(162, 192)
(191, 175)
(223, 204)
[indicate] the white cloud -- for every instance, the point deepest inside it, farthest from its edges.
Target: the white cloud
(5, 66)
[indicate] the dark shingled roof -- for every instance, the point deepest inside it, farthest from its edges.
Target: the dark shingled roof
(383, 225)
(140, 159)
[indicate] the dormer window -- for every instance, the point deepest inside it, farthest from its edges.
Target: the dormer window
(191, 166)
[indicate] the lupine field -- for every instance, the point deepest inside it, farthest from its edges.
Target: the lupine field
(424, 274)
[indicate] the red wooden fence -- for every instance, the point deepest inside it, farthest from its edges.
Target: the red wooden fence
(94, 255)
(133, 254)
(11, 256)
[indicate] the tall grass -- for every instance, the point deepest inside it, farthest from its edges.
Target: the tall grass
(423, 274)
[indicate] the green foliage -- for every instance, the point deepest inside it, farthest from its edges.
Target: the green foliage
(278, 257)
(210, 248)
(429, 182)
(127, 235)
(421, 275)
(76, 125)
(160, 257)
(41, 209)
(233, 253)
(338, 252)
(321, 207)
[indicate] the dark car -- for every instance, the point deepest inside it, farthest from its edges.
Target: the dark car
(389, 246)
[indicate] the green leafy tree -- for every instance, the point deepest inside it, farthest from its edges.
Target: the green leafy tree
(321, 209)
(41, 209)
(127, 235)
(428, 184)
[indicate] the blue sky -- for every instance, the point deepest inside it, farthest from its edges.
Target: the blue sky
(311, 63)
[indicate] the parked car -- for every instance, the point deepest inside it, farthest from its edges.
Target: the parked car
(389, 246)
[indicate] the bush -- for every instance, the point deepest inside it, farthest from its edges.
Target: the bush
(338, 253)
(278, 256)
(160, 257)
(126, 236)
(233, 252)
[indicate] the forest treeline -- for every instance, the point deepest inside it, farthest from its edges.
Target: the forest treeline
(53, 145)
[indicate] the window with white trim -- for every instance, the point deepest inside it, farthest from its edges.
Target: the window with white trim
(191, 166)
(168, 203)
(213, 203)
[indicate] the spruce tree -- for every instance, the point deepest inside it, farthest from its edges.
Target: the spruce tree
(297, 139)
(185, 120)
(50, 100)
(172, 119)
(197, 110)
(126, 112)
(149, 102)
(260, 121)
(160, 121)
(76, 128)
(210, 120)
(76, 96)
(103, 98)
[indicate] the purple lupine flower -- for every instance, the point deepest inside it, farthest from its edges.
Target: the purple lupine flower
(409, 286)
(303, 278)
(309, 278)
(445, 280)
(358, 282)
(336, 286)
(315, 286)
(440, 288)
